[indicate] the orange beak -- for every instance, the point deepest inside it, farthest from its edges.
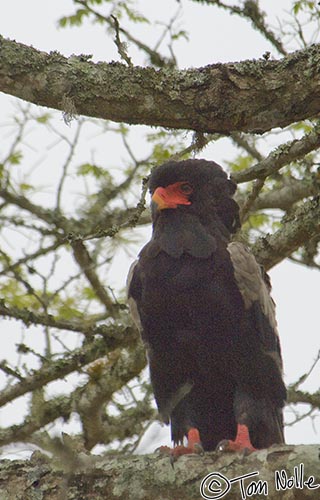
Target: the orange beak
(169, 197)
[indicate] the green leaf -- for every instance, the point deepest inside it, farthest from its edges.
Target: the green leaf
(67, 310)
(133, 15)
(94, 170)
(75, 19)
(44, 118)
(296, 8)
(242, 162)
(15, 158)
(25, 187)
(181, 34)
(15, 295)
(88, 293)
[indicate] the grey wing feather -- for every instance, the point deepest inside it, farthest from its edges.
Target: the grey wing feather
(250, 281)
(133, 308)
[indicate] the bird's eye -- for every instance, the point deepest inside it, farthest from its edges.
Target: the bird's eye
(186, 188)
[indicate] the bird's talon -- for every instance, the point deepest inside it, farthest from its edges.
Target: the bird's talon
(164, 450)
(223, 445)
(198, 449)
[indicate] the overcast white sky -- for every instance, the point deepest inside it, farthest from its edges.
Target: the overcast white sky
(214, 36)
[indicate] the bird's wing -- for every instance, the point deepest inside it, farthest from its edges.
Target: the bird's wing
(134, 288)
(252, 281)
(254, 286)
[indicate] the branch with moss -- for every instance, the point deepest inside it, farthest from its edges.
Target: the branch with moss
(68, 363)
(292, 191)
(86, 324)
(251, 96)
(107, 376)
(281, 156)
(302, 224)
(58, 407)
(75, 475)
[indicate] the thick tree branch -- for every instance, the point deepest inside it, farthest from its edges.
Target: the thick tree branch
(302, 225)
(293, 190)
(152, 476)
(251, 96)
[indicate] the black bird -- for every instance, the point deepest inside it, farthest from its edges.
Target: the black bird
(203, 306)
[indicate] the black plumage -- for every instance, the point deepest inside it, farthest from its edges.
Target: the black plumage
(205, 313)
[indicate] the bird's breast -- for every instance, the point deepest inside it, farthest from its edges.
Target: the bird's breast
(189, 300)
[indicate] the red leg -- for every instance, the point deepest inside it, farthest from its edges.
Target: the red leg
(242, 441)
(194, 446)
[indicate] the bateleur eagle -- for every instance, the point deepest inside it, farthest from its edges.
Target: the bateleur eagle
(203, 306)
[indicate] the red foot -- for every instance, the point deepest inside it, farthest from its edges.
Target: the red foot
(194, 446)
(241, 443)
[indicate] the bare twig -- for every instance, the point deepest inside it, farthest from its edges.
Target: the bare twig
(246, 207)
(87, 265)
(122, 49)
(250, 10)
(304, 377)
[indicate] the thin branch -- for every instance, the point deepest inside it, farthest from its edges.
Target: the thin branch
(84, 325)
(87, 265)
(62, 367)
(281, 156)
(252, 12)
(67, 163)
(295, 396)
(10, 371)
(59, 407)
(241, 141)
(246, 207)
(155, 57)
(30, 257)
(132, 218)
(47, 215)
(17, 140)
(120, 45)
(299, 418)
(106, 378)
(304, 377)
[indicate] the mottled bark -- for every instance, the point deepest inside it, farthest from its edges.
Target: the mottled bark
(302, 225)
(294, 470)
(251, 96)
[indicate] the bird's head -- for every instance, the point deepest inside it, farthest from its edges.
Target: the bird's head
(198, 187)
